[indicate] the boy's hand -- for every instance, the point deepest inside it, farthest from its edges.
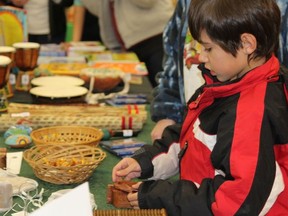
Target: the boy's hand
(159, 128)
(126, 169)
(133, 196)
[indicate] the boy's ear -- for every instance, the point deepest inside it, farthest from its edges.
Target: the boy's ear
(249, 43)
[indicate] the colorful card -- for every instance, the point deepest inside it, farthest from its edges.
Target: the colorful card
(135, 68)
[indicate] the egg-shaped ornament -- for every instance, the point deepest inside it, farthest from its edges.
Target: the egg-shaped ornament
(13, 131)
(18, 141)
(26, 128)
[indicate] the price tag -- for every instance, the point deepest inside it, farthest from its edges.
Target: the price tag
(127, 133)
(22, 114)
(12, 79)
(25, 79)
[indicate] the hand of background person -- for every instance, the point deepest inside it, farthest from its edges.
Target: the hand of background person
(159, 128)
(126, 169)
(133, 196)
(19, 3)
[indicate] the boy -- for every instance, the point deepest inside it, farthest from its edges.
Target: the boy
(177, 82)
(233, 146)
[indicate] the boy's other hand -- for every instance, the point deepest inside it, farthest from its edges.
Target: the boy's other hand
(126, 169)
(159, 128)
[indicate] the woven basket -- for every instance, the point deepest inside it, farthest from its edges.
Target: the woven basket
(63, 164)
(79, 135)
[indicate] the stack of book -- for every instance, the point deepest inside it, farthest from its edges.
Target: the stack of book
(122, 147)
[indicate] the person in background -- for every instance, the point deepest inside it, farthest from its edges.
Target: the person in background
(46, 19)
(5, 2)
(89, 33)
(234, 135)
(132, 25)
(86, 27)
(283, 49)
(171, 94)
(180, 65)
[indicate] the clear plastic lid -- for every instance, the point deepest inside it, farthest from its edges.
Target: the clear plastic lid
(6, 49)
(4, 60)
(26, 45)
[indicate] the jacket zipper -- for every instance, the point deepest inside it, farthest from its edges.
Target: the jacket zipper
(181, 154)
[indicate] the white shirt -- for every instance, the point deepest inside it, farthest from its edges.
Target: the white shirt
(137, 20)
(37, 17)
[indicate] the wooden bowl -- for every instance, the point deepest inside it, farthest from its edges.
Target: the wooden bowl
(105, 79)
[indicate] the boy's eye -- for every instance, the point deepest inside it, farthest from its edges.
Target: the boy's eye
(207, 49)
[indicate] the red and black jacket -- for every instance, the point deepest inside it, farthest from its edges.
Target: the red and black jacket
(232, 149)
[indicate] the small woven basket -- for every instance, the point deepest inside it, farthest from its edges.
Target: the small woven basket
(79, 135)
(63, 164)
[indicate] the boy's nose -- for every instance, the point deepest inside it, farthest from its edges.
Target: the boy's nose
(202, 57)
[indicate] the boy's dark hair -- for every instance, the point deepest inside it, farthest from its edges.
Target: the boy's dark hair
(225, 21)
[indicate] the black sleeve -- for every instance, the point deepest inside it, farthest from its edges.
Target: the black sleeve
(175, 197)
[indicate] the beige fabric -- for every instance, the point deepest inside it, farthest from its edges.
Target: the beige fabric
(137, 20)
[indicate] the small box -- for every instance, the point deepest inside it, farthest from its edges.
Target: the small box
(3, 158)
(117, 194)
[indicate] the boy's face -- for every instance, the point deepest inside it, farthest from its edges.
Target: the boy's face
(222, 64)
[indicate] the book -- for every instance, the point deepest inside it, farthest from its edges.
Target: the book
(50, 50)
(59, 59)
(122, 143)
(113, 56)
(123, 152)
(122, 147)
(64, 68)
(127, 99)
(84, 48)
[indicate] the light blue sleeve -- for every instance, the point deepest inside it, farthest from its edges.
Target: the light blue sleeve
(283, 46)
(78, 2)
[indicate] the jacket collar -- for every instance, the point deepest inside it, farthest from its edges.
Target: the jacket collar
(263, 73)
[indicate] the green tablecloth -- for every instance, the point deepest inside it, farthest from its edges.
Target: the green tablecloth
(102, 175)
(98, 181)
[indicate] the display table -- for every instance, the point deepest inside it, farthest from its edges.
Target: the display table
(102, 175)
(144, 88)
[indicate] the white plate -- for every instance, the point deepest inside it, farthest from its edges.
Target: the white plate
(58, 91)
(57, 81)
(7, 49)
